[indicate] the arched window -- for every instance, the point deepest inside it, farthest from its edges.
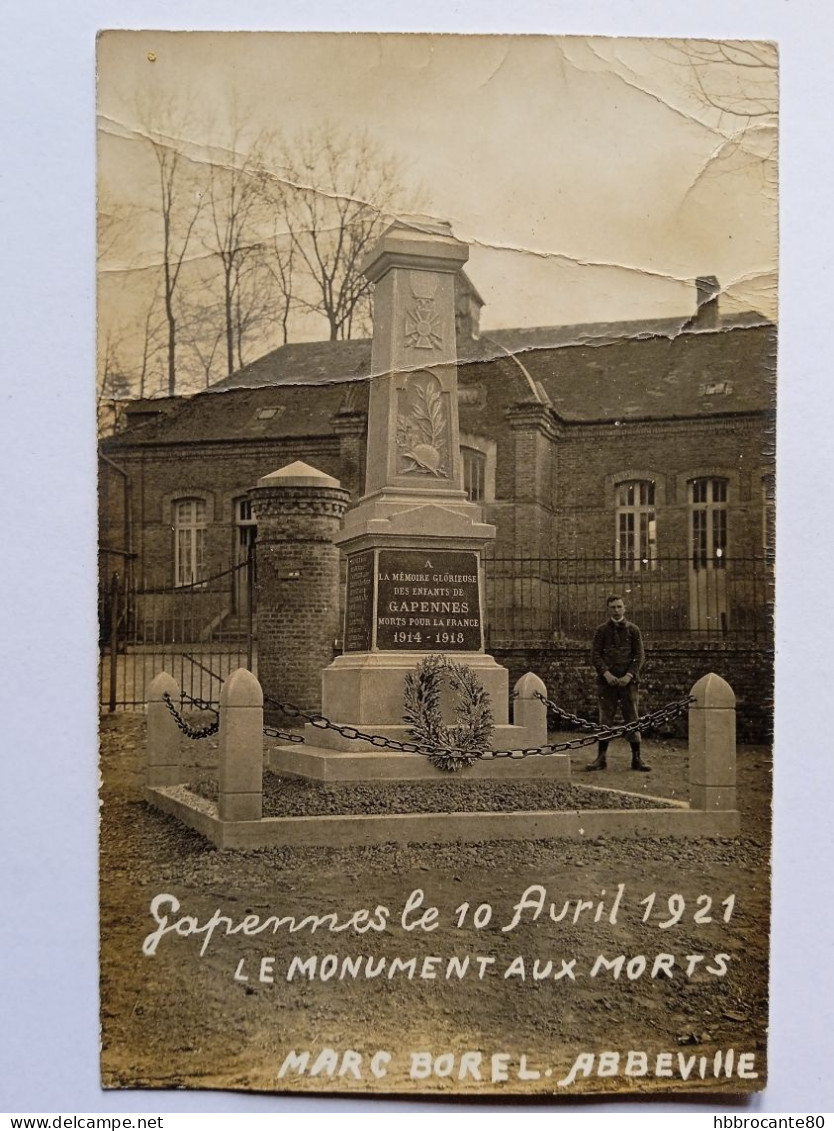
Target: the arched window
(636, 547)
(708, 523)
(189, 540)
(474, 474)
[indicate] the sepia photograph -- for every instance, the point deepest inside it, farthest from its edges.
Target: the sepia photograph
(436, 407)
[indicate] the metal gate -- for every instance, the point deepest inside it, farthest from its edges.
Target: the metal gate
(199, 633)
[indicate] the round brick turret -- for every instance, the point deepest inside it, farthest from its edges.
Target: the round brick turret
(299, 510)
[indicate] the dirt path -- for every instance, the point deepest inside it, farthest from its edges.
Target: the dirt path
(176, 1018)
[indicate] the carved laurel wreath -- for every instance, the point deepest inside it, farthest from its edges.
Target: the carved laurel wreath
(461, 744)
(421, 431)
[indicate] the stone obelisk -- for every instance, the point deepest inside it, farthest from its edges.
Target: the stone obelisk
(414, 542)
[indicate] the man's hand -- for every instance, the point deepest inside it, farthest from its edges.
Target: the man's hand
(610, 679)
(625, 680)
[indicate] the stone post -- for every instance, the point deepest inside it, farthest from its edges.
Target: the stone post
(165, 766)
(298, 510)
(529, 711)
(241, 748)
(712, 745)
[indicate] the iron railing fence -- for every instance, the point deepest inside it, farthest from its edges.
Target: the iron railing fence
(541, 601)
(202, 632)
(199, 633)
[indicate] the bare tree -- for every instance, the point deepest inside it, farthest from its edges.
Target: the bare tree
(180, 201)
(734, 77)
(236, 215)
(113, 385)
(112, 220)
(204, 333)
(151, 342)
(335, 195)
(256, 304)
(279, 245)
(734, 85)
(279, 263)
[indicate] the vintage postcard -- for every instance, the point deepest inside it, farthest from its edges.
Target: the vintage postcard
(436, 391)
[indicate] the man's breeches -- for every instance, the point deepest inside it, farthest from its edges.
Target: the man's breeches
(623, 697)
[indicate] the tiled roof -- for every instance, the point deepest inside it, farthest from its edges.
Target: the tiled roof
(323, 363)
(306, 363)
(691, 375)
(248, 414)
(613, 371)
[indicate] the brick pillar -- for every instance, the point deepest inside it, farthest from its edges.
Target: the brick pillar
(299, 510)
(352, 430)
(534, 435)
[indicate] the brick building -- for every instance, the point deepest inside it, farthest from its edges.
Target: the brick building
(632, 455)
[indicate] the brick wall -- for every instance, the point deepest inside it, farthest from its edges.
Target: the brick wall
(670, 672)
(592, 458)
(217, 473)
(555, 483)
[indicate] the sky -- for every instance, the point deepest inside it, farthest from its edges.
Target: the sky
(591, 177)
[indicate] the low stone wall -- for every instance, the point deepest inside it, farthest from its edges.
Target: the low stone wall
(671, 669)
(236, 819)
(438, 828)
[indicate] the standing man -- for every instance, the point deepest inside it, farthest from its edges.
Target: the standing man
(617, 656)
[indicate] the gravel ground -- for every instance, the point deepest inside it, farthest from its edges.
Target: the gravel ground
(287, 797)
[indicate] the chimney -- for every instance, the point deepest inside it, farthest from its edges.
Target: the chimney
(706, 312)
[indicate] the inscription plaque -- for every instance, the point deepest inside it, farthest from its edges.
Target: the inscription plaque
(428, 601)
(359, 602)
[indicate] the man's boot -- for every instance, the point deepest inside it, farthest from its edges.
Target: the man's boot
(637, 762)
(601, 762)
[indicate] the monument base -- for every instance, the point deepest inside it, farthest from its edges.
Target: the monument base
(366, 688)
(364, 691)
(332, 766)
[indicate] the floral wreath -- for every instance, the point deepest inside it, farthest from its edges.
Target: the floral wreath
(461, 744)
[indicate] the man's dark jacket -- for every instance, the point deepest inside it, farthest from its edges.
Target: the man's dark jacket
(618, 648)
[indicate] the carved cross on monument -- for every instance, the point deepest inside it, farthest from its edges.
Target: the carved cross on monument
(413, 456)
(413, 442)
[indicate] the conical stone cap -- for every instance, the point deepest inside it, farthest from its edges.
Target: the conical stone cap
(298, 474)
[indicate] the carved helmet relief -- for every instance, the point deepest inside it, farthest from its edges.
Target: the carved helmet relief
(422, 427)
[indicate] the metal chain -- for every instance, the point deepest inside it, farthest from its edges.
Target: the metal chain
(188, 730)
(270, 732)
(352, 733)
(200, 704)
(287, 736)
(567, 716)
(645, 722)
(598, 734)
(212, 728)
